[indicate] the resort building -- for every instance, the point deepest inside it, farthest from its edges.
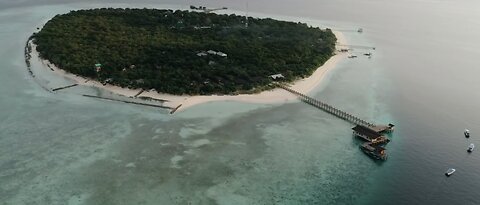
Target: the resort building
(221, 54)
(98, 67)
(202, 54)
(368, 134)
(277, 76)
(212, 52)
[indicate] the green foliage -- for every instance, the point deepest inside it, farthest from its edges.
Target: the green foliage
(158, 49)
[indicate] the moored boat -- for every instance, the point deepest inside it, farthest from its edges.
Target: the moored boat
(466, 133)
(374, 151)
(450, 172)
(471, 147)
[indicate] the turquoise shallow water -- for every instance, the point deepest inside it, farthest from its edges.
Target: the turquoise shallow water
(66, 149)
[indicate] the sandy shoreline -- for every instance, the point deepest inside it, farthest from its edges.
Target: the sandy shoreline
(272, 96)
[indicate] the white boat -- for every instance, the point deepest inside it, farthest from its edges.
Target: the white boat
(450, 172)
(467, 133)
(471, 147)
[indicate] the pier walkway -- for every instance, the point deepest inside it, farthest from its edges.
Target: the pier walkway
(367, 131)
(330, 109)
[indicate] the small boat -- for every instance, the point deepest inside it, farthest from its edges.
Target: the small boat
(352, 56)
(471, 147)
(450, 172)
(467, 133)
(376, 152)
(391, 127)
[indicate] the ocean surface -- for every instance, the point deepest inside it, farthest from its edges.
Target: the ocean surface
(424, 77)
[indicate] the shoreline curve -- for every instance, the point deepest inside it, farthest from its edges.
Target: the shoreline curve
(276, 95)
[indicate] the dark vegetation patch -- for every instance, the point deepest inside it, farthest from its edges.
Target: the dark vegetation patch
(167, 50)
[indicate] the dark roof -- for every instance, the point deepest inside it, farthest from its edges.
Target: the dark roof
(373, 148)
(366, 131)
(367, 146)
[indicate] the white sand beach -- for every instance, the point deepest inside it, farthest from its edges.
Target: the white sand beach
(272, 96)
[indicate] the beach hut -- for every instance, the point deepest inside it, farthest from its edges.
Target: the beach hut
(98, 67)
(221, 54)
(276, 76)
(200, 54)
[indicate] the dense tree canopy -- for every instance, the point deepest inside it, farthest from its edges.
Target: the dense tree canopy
(168, 50)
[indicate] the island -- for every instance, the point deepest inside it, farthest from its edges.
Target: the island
(182, 52)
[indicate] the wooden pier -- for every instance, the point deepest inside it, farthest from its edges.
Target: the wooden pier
(330, 109)
(367, 131)
(139, 93)
(64, 87)
(175, 109)
(129, 102)
(358, 46)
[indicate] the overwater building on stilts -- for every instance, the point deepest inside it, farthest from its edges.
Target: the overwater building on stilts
(375, 140)
(369, 135)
